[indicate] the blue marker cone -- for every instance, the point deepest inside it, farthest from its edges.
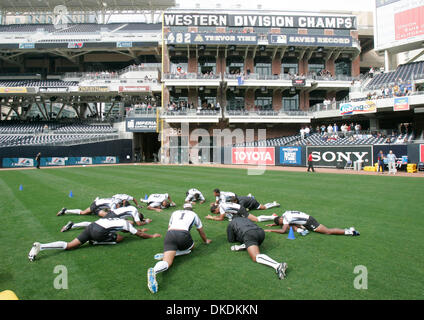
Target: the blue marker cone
(146, 196)
(71, 194)
(291, 234)
(21, 188)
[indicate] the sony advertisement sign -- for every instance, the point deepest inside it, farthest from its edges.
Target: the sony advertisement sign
(339, 156)
(252, 20)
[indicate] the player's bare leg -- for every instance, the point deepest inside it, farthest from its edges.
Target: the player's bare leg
(335, 231)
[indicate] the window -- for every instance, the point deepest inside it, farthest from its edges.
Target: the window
(291, 103)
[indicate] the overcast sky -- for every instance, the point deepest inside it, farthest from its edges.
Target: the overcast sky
(283, 5)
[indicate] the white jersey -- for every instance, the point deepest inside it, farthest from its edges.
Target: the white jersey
(127, 212)
(155, 200)
(122, 197)
(192, 192)
(295, 217)
(116, 224)
(225, 196)
(229, 209)
(184, 220)
(107, 202)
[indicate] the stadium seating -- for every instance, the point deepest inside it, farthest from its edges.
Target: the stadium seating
(53, 133)
(404, 72)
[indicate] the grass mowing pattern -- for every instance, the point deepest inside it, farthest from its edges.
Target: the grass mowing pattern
(386, 210)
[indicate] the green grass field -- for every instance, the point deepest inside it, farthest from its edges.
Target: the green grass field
(386, 210)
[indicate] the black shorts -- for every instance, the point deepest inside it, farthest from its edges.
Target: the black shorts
(242, 212)
(249, 203)
(254, 237)
(95, 209)
(311, 224)
(97, 233)
(177, 240)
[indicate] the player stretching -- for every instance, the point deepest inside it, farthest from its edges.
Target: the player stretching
(121, 213)
(304, 221)
(178, 241)
(102, 231)
(229, 210)
(194, 195)
(159, 201)
(251, 237)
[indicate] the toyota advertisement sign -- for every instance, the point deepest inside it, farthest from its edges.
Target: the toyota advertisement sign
(254, 156)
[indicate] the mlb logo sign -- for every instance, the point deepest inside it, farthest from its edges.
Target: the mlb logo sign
(85, 160)
(109, 160)
(24, 162)
(56, 162)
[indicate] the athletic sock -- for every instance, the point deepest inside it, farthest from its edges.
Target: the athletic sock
(266, 218)
(73, 211)
(264, 259)
(270, 205)
(80, 225)
(58, 245)
(161, 266)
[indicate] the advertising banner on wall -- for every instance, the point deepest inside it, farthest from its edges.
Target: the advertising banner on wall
(253, 156)
(140, 125)
(106, 160)
(53, 161)
(18, 162)
(291, 155)
(401, 104)
(336, 156)
(359, 107)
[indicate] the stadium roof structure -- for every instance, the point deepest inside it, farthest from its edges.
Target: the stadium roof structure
(26, 6)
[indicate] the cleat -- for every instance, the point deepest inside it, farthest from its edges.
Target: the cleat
(238, 248)
(304, 232)
(61, 212)
(34, 251)
(158, 256)
(355, 233)
(276, 204)
(67, 226)
(151, 280)
(281, 271)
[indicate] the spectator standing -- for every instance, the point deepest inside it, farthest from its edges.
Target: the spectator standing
(391, 160)
(380, 160)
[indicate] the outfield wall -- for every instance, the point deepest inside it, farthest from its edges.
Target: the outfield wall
(115, 151)
(323, 156)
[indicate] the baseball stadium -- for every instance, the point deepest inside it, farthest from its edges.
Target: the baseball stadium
(195, 149)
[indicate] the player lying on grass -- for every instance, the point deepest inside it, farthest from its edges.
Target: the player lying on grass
(229, 210)
(223, 196)
(304, 221)
(250, 203)
(102, 231)
(194, 195)
(159, 201)
(121, 213)
(96, 207)
(251, 236)
(125, 199)
(177, 242)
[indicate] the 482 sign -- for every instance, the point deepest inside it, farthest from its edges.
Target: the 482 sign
(179, 38)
